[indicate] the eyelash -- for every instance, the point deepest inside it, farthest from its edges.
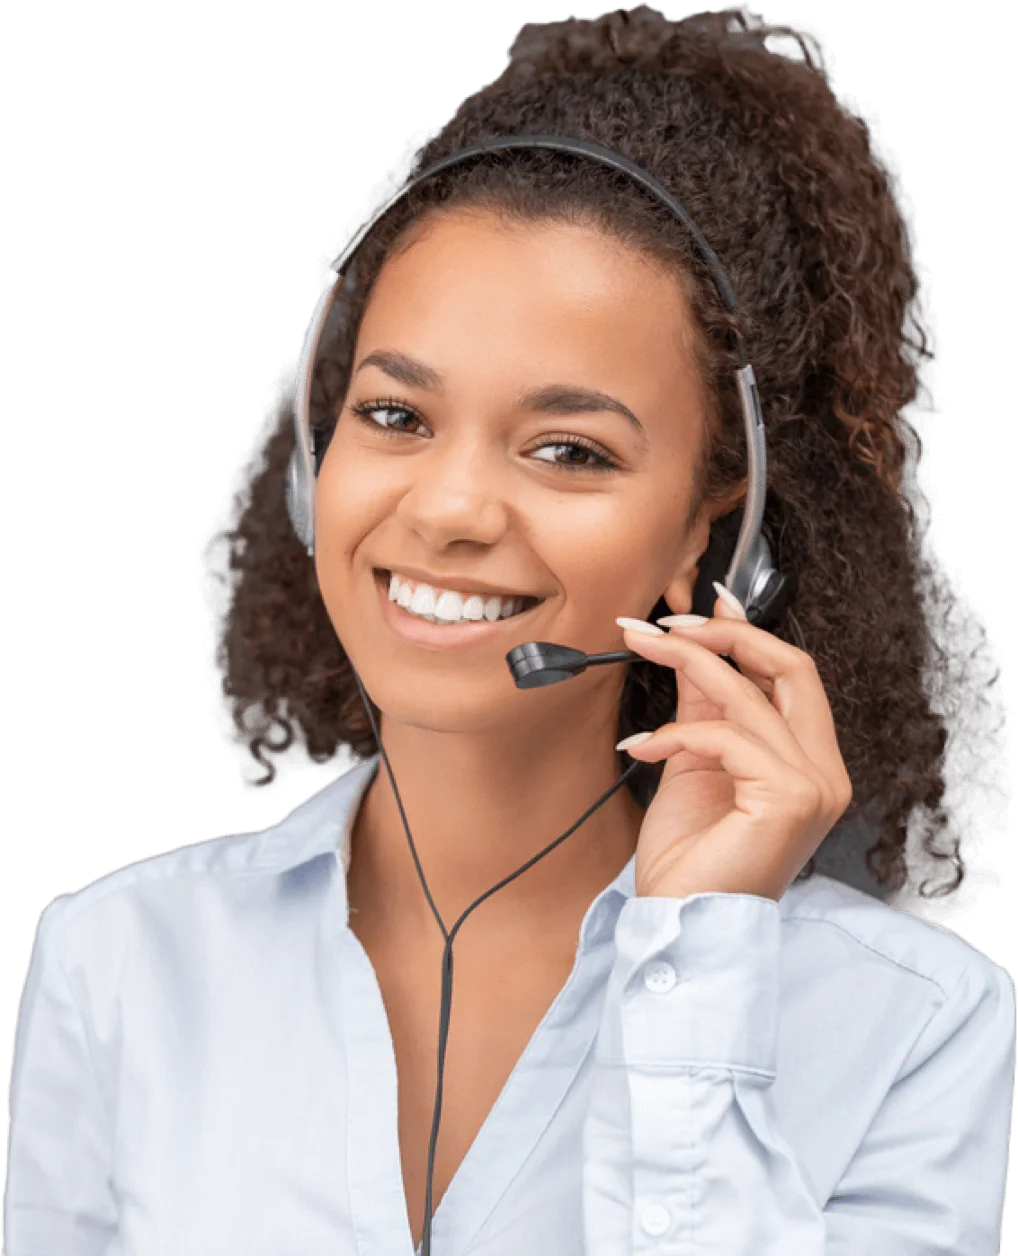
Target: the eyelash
(605, 462)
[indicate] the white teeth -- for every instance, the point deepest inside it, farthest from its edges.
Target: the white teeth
(423, 600)
(446, 606)
(449, 607)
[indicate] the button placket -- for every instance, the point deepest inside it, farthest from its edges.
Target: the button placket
(659, 977)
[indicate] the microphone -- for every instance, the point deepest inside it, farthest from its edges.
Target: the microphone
(535, 664)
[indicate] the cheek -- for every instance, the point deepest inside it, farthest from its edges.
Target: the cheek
(634, 560)
(350, 499)
(606, 551)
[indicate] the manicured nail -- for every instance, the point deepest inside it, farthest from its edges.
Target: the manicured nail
(635, 740)
(639, 625)
(682, 621)
(729, 599)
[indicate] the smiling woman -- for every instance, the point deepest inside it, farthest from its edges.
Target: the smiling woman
(527, 386)
(819, 258)
(528, 425)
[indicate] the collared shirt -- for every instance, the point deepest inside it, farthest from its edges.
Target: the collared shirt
(203, 1065)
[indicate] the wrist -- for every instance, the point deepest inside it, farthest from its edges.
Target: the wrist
(674, 887)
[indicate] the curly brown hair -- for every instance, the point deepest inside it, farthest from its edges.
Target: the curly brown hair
(783, 181)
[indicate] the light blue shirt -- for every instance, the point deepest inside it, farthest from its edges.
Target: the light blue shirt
(203, 1067)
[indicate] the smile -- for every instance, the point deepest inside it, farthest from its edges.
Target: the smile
(409, 609)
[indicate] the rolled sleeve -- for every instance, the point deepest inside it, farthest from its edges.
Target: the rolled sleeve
(699, 982)
(683, 1148)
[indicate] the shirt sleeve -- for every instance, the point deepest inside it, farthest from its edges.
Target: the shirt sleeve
(59, 1196)
(682, 1152)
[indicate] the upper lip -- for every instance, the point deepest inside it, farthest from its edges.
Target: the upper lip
(461, 584)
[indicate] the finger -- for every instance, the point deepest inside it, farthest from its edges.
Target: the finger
(797, 691)
(735, 697)
(728, 606)
(796, 720)
(692, 704)
(761, 776)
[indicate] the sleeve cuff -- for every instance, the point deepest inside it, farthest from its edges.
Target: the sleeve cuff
(696, 982)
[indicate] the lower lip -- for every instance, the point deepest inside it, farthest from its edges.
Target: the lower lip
(444, 636)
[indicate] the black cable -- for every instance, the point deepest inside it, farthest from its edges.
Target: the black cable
(449, 935)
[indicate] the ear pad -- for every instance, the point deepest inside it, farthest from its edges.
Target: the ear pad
(297, 501)
(770, 599)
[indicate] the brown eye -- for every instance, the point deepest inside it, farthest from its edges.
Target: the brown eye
(584, 452)
(392, 427)
(586, 455)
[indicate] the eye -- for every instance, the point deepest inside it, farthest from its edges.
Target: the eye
(377, 407)
(589, 449)
(603, 460)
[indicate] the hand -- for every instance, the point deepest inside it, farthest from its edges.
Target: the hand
(753, 777)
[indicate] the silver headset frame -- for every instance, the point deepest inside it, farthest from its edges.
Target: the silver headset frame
(751, 569)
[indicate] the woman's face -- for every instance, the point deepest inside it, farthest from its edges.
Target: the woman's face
(523, 416)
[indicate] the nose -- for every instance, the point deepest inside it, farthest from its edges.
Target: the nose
(457, 493)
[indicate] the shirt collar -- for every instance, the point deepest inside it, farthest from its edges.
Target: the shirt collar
(323, 825)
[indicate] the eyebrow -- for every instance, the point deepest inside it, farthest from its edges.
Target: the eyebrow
(550, 399)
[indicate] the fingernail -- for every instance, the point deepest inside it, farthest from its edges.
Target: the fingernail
(682, 621)
(635, 740)
(729, 599)
(639, 625)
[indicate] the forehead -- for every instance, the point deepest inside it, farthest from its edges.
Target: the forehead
(566, 290)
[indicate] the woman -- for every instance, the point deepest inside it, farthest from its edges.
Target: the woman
(666, 1032)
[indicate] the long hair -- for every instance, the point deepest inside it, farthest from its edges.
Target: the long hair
(783, 181)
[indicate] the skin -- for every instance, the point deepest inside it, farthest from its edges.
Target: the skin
(489, 774)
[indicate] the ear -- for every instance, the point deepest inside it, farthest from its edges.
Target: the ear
(679, 593)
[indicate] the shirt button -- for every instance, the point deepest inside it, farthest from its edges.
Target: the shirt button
(659, 976)
(655, 1219)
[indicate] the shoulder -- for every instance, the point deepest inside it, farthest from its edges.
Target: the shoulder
(858, 942)
(203, 885)
(216, 865)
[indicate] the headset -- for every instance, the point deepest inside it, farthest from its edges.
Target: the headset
(744, 559)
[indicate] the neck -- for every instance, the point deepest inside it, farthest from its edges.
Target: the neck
(479, 806)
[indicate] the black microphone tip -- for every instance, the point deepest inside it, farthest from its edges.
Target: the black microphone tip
(537, 663)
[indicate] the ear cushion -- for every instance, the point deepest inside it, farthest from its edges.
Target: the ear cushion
(769, 601)
(297, 501)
